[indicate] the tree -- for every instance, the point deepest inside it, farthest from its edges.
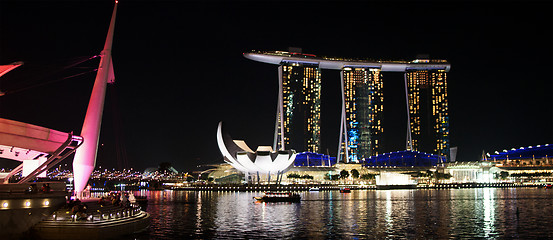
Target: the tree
(504, 174)
(307, 176)
(368, 176)
(354, 173)
(293, 175)
(332, 177)
(442, 175)
(344, 174)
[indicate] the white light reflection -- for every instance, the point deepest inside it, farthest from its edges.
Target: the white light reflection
(199, 213)
(263, 210)
(243, 218)
(389, 221)
(489, 211)
(330, 207)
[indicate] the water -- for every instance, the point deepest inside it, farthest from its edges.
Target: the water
(484, 213)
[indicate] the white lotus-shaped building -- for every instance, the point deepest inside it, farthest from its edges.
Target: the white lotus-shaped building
(263, 161)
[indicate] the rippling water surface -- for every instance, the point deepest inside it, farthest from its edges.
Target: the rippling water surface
(365, 214)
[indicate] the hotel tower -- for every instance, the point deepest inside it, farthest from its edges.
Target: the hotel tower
(298, 124)
(428, 111)
(362, 108)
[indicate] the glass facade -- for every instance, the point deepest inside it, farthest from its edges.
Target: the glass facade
(428, 110)
(309, 159)
(301, 106)
(404, 159)
(363, 100)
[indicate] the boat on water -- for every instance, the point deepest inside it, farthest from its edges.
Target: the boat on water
(279, 197)
(548, 185)
(345, 190)
(141, 200)
(314, 189)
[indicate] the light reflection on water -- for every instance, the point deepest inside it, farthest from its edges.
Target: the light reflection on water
(364, 214)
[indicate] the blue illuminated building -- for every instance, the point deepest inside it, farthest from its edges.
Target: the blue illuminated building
(532, 158)
(310, 159)
(531, 152)
(404, 159)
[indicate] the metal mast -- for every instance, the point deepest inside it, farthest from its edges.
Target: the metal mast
(343, 127)
(278, 143)
(85, 157)
(409, 142)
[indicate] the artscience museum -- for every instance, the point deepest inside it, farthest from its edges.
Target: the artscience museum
(260, 163)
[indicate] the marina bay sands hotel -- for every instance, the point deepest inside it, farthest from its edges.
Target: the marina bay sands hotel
(299, 103)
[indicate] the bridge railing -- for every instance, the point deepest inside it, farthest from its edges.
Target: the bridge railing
(33, 189)
(99, 215)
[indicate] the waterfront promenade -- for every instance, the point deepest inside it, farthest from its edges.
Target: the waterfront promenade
(327, 187)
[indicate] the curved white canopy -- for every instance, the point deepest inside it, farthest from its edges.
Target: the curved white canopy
(264, 160)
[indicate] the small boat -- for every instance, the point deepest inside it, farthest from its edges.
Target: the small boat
(345, 190)
(141, 200)
(548, 185)
(279, 197)
(314, 189)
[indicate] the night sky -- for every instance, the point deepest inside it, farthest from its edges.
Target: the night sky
(179, 69)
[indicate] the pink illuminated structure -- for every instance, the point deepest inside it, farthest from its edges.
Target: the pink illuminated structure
(85, 157)
(6, 68)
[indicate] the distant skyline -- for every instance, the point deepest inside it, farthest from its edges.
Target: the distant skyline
(179, 69)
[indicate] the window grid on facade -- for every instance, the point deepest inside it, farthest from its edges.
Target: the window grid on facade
(301, 106)
(364, 111)
(428, 110)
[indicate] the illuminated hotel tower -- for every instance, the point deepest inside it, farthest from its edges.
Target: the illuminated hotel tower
(299, 112)
(428, 110)
(362, 108)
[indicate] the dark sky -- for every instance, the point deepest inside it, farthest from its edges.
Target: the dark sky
(179, 69)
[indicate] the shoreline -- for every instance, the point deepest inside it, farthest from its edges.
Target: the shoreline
(325, 187)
